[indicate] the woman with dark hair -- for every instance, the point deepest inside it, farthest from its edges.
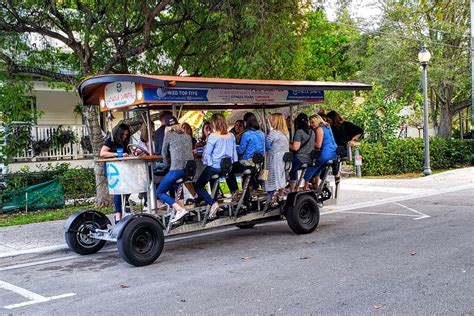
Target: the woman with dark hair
(116, 146)
(344, 131)
(205, 132)
(252, 142)
(237, 130)
(302, 146)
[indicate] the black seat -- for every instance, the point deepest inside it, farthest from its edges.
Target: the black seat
(189, 170)
(226, 167)
(258, 159)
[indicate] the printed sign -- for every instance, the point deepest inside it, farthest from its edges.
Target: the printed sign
(119, 94)
(127, 176)
(232, 95)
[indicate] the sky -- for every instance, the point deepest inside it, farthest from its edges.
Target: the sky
(367, 11)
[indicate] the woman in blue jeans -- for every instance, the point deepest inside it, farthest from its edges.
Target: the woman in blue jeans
(176, 151)
(326, 145)
(220, 144)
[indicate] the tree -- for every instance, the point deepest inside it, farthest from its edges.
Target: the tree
(391, 58)
(64, 41)
(379, 115)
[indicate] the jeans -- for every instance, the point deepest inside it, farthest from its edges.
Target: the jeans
(201, 182)
(295, 165)
(118, 202)
(231, 180)
(167, 183)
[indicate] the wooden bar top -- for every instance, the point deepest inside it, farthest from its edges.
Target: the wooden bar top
(148, 157)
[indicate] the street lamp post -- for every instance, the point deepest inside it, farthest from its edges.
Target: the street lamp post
(424, 57)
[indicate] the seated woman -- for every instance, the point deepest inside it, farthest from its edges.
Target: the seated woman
(326, 145)
(220, 144)
(252, 142)
(237, 130)
(188, 130)
(277, 146)
(302, 145)
(119, 139)
(176, 151)
(205, 132)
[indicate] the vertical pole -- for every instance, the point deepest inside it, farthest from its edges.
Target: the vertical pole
(426, 140)
(472, 77)
(151, 146)
(461, 126)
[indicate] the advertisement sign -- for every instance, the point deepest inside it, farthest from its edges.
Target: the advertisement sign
(119, 94)
(232, 95)
(126, 177)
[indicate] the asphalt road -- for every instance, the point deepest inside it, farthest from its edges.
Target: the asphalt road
(410, 257)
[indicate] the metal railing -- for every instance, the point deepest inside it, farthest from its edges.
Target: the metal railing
(43, 147)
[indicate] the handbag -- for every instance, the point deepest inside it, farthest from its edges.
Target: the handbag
(263, 174)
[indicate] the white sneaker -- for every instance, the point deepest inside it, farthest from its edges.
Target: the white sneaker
(178, 216)
(180, 212)
(213, 211)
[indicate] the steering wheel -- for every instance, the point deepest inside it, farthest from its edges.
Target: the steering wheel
(133, 148)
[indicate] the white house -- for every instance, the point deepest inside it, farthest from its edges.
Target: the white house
(57, 115)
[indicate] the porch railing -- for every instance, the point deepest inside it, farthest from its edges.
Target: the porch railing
(43, 147)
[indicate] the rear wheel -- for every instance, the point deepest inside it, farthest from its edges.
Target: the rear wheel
(141, 242)
(77, 234)
(303, 218)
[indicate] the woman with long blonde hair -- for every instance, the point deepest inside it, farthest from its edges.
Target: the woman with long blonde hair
(220, 144)
(326, 145)
(277, 144)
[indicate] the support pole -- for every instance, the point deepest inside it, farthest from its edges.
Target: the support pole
(472, 77)
(426, 139)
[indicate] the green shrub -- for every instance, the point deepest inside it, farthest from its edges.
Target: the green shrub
(78, 183)
(407, 155)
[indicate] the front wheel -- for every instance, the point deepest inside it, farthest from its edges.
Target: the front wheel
(77, 232)
(303, 218)
(141, 242)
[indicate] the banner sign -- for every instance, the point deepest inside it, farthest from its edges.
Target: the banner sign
(119, 94)
(232, 95)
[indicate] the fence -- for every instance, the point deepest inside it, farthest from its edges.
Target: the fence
(44, 147)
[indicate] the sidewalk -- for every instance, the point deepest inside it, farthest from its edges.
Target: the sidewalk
(49, 236)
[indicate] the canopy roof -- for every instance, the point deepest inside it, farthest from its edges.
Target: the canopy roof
(122, 92)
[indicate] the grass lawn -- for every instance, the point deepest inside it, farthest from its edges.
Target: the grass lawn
(13, 219)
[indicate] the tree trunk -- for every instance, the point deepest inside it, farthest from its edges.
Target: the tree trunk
(445, 121)
(97, 140)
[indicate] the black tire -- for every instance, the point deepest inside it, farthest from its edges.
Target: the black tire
(141, 242)
(245, 225)
(303, 218)
(77, 235)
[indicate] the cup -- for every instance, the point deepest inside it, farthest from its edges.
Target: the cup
(119, 152)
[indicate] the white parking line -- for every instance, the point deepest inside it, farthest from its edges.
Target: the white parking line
(422, 215)
(33, 297)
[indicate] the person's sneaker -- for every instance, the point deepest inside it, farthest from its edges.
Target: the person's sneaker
(213, 211)
(178, 216)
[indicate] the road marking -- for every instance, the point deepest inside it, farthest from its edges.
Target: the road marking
(422, 215)
(33, 297)
(35, 263)
(375, 213)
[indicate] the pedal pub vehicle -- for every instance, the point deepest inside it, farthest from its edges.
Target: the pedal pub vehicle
(140, 236)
